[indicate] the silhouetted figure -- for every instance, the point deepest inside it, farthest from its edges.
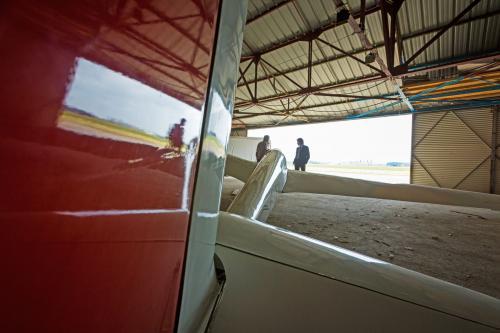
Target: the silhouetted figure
(301, 155)
(176, 134)
(262, 148)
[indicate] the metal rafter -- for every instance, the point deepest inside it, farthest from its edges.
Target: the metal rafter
(377, 45)
(309, 64)
(325, 87)
(493, 165)
(269, 10)
(441, 32)
(392, 40)
(283, 74)
(363, 38)
(256, 66)
(361, 97)
(246, 84)
(349, 55)
(273, 84)
(245, 71)
(307, 107)
(305, 36)
(372, 78)
(362, 16)
(390, 10)
(297, 108)
(358, 81)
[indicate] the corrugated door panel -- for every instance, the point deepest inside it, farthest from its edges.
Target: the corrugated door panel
(450, 146)
(423, 123)
(479, 120)
(420, 176)
(450, 151)
(479, 180)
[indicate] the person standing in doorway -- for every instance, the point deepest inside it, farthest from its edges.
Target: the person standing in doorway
(301, 155)
(262, 148)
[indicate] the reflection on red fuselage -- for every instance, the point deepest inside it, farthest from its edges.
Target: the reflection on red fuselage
(94, 203)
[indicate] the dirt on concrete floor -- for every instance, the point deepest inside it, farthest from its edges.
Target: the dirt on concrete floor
(452, 243)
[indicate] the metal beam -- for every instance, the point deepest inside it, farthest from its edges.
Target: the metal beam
(332, 118)
(385, 30)
(256, 64)
(308, 107)
(390, 10)
(359, 97)
(246, 84)
(493, 165)
(377, 45)
(309, 64)
(465, 103)
(399, 40)
(363, 38)
(245, 70)
(477, 71)
(362, 15)
(372, 78)
(412, 147)
(427, 170)
(306, 36)
(471, 172)
(290, 114)
(477, 58)
(273, 84)
(300, 92)
(269, 10)
(278, 71)
(349, 55)
(442, 31)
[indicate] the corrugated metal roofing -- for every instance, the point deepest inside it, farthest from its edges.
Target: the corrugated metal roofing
(283, 95)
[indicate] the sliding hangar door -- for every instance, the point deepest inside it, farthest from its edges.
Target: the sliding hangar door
(457, 149)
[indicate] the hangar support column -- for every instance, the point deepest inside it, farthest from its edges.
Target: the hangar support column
(495, 165)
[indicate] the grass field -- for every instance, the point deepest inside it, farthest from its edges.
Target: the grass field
(380, 173)
(94, 126)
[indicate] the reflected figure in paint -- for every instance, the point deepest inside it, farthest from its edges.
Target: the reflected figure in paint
(176, 135)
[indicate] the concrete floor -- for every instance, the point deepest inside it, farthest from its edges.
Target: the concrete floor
(452, 243)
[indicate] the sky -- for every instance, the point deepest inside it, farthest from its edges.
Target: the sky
(376, 140)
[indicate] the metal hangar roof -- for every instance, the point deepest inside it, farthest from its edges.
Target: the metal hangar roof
(325, 60)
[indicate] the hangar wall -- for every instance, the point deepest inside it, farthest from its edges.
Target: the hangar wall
(455, 149)
(243, 147)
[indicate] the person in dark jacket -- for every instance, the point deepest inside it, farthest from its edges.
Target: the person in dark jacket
(262, 148)
(301, 155)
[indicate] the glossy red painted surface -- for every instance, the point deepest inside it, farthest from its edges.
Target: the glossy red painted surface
(94, 199)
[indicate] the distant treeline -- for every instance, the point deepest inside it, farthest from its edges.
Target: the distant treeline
(398, 164)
